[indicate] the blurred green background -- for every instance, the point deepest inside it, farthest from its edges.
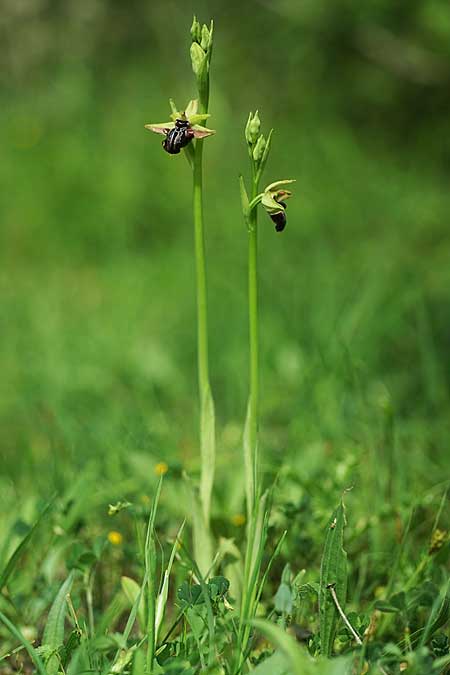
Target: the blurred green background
(98, 344)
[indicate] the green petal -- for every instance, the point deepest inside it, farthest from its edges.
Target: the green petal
(195, 119)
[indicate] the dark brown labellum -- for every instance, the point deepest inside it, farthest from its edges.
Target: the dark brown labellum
(178, 137)
(279, 218)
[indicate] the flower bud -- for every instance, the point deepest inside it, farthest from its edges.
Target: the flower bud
(196, 32)
(258, 150)
(273, 200)
(253, 128)
(205, 38)
(198, 59)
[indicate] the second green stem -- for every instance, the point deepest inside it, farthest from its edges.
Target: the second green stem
(253, 403)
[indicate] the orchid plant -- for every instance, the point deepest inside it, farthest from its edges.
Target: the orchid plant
(184, 131)
(273, 200)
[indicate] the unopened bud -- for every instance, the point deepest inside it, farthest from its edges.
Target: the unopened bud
(254, 125)
(198, 58)
(258, 150)
(196, 32)
(205, 38)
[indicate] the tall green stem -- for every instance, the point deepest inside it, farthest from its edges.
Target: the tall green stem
(253, 332)
(255, 510)
(202, 537)
(252, 422)
(200, 258)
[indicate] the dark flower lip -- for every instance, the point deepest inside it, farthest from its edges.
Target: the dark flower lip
(279, 218)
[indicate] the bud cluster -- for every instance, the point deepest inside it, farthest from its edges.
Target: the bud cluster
(258, 145)
(201, 50)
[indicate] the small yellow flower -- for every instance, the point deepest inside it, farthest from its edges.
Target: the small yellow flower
(145, 499)
(115, 538)
(161, 468)
(238, 519)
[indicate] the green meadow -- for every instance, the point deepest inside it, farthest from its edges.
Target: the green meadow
(98, 353)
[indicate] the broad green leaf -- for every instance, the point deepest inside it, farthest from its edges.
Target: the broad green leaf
(34, 656)
(53, 636)
(333, 572)
(132, 589)
(21, 548)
